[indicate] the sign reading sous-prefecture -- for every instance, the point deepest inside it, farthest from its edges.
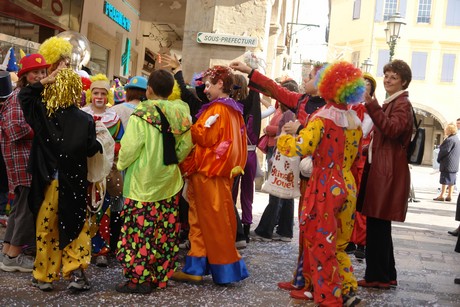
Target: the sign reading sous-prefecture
(224, 39)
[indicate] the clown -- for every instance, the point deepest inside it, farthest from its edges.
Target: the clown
(332, 137)
(107, 223)
(58, 162)
(220, 154)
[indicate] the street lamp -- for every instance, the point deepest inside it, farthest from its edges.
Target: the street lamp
(366, 66)
(392, 32)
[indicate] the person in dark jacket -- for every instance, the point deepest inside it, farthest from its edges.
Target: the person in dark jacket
(448, 158)
(388, 185)
(64, 137)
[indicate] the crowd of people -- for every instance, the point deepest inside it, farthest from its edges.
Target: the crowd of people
(179, 158)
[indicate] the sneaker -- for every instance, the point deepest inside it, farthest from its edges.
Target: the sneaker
(21, 263)
(185, 245)
(79, 281)
(287, 285)
(277, 237)
(42, 285)
(240, 244)
(184, 277)
(256, 237)
(130, 287)
(101, 261)
(350, 299)
(360, 252)
(301, 294)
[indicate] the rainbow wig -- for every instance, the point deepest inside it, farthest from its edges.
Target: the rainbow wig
(341, 82)
(55, 48)
(102, 82)
(175, 92)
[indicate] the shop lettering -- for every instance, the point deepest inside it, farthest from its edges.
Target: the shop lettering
(56, 6)
(117, 16)
(223, 39)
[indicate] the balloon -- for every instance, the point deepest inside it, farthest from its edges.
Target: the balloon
(81, 51)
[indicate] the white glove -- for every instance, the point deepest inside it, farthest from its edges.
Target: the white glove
(211, 120)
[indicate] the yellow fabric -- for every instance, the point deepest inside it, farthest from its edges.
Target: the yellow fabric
(312, 134)
(223, 146)
(49, 258)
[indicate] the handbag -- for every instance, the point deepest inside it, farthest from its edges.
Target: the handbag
(262, 143)
(416, 146)
(283, 180)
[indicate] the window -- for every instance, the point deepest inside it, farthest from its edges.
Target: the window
(384, 58)
(356, 9)
(424, 11)
(448, 65)
(389, 9)
(418, 66)
(355, 58)
(453, 13)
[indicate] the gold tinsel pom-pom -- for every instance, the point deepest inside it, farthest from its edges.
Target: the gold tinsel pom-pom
(175, 92)
(64, 92)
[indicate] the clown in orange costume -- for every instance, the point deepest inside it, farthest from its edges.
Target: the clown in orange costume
(220, 154)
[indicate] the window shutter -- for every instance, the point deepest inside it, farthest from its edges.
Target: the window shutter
(384, 58)
(419, 65)
(378, 11)
(453, 13)
(357, 9)
(448, 65)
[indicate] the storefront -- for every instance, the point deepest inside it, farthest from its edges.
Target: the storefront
(110, 26)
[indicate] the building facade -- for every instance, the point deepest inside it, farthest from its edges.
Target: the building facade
(429, 42)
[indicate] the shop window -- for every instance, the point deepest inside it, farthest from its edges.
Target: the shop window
(99, 59)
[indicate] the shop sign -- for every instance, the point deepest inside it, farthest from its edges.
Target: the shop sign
(225, 39)
(126, 57)
(117, 16)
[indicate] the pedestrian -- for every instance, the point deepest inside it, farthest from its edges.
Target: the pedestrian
(219, 155)
(135, 93)
(332, 138)
(358, 238)
(448, 159)
(156, 140)
(64, 138)
(106, 222)
(16, 142)
(388, 183)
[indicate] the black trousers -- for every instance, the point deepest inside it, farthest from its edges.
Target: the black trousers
(279, 211)
(380, 260)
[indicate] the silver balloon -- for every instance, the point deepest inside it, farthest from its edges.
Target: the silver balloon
(81, 51)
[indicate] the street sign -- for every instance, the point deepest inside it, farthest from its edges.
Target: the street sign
(225, 39)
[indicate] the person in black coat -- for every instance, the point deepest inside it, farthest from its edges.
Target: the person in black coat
(448, 159)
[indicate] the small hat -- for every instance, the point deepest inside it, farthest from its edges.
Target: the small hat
(137, 82)
(119, 95)
(369, 77)
(100, 84)
(6, 88)
(31, 62)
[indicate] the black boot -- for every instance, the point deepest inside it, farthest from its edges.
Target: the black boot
(246, 229)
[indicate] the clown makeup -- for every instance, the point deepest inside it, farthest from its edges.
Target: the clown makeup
(212, 91)
(99, 99)
(36, 75)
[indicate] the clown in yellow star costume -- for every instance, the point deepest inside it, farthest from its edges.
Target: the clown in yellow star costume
(65, 137)
(332, 137)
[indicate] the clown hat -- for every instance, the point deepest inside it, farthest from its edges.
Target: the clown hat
(369, 77)
(137, 82)
(119, 95)
(31, 62)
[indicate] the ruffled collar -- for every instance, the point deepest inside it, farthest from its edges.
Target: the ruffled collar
(339, 114)
(227, 101)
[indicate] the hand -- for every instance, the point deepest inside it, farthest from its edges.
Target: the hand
(291, 127)
(52, 77)
(239, 66)
(171, 62)
(368, 99)
(266, 101)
